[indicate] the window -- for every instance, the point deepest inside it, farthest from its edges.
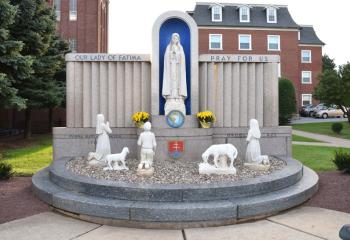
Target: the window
(271, 15)
(273, 42)
(216, 13)
(306, 99)
(57, 5)
(73, 14)
(306, 56)
(244, 14)
(215, 41)
(306, 77)
(245, 42)
(73, 44)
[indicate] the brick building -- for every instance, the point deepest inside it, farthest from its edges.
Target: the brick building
(262, 29)
(84, 23)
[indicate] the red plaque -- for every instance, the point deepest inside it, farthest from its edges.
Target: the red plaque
(176, 148)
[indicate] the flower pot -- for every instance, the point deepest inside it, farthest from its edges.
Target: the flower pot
(205, 124)
(139, 124)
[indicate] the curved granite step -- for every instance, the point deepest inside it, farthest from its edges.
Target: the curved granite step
(174, 214)
(281, 179)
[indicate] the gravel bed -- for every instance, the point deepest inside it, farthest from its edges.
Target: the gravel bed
(168, 172)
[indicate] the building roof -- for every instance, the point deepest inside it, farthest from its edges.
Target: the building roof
(230, 16)
(308, 36)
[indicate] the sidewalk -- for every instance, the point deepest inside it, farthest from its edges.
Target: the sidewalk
(303, 223)
(326, 140)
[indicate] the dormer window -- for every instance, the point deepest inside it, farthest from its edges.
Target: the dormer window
(216, 13)
(271, 15)
(244, 14)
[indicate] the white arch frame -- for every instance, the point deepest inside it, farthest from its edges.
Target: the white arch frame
(155, 59)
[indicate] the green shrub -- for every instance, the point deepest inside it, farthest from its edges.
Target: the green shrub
(6, 171)
(342, 161)
(337, 127)
(287, 103)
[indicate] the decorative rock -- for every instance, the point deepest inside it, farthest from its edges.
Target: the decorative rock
(221, 153)
(147, 141)
(103, 146)
(257, 167)
(174, 77)
(145, 172)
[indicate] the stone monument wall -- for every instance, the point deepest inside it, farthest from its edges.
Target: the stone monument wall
(114, 85)
(238, 88)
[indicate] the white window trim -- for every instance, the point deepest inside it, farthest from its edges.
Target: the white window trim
(302, 77)
(268, 42)
(248, 14)
(57, 10)
(73, 14)
(267, 15)
(212, 14)
(215, 34)
(302, 56)
(250, 41)
(304, 95)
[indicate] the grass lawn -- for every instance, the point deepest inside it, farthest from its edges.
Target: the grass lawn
(297, 138)
(28, 157)
(318, 158)
(324, 128)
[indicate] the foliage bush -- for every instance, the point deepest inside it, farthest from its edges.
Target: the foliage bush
(6, 171)
(287, 103)
(342, 161)
(337, 127)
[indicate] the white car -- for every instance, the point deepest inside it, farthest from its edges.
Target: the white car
(326, 112)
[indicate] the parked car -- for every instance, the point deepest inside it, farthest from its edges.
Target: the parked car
(305, 110)
(332, 111)
(318, 107)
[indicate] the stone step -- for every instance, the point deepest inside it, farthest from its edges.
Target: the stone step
(174, 214)
(281, 179)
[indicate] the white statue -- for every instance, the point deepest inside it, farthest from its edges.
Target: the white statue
(253, 158)
(147, 141)
(114, 159)
(174, 76)
(221, 153)
(103, 146)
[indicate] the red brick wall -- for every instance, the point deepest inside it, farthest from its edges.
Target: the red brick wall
(91, 28)
(290, 53)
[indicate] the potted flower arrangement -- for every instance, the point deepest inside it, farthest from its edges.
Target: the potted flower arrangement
(206, 118)
(139, 118)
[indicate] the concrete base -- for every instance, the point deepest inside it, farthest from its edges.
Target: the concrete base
(172, 205)
(257, 167)
(207, 169)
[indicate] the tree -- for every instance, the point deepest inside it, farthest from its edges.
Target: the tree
(287, 102)
(12, 64)
(35, 27)
(334, 88)
(327, 63)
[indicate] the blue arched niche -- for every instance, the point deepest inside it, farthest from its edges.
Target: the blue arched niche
(170, 26)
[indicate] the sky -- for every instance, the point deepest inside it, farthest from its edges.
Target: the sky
(131, 21)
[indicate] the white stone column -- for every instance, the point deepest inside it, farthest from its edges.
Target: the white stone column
(104, 89)
(87, 94)
(78, 94)
(235, 94)
(211, 87)
(70, 95)
(95, 93)
(136, 89)
(112, 95)
(146, 86)
(268, 97)
(259, 91)
(203, 84)
(128, 94)
(227, 93)
(120, 93)
(251, 91)
(243, 103)
(219, 106)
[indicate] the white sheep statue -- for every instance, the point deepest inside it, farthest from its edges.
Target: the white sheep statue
(114, 159)
(222, 152)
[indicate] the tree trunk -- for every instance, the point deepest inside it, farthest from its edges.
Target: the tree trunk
(50, 120)
(345, 111)
(28, 123)
(348, 114)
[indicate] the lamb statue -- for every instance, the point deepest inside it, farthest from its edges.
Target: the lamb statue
(220, 153)
(114, 159)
